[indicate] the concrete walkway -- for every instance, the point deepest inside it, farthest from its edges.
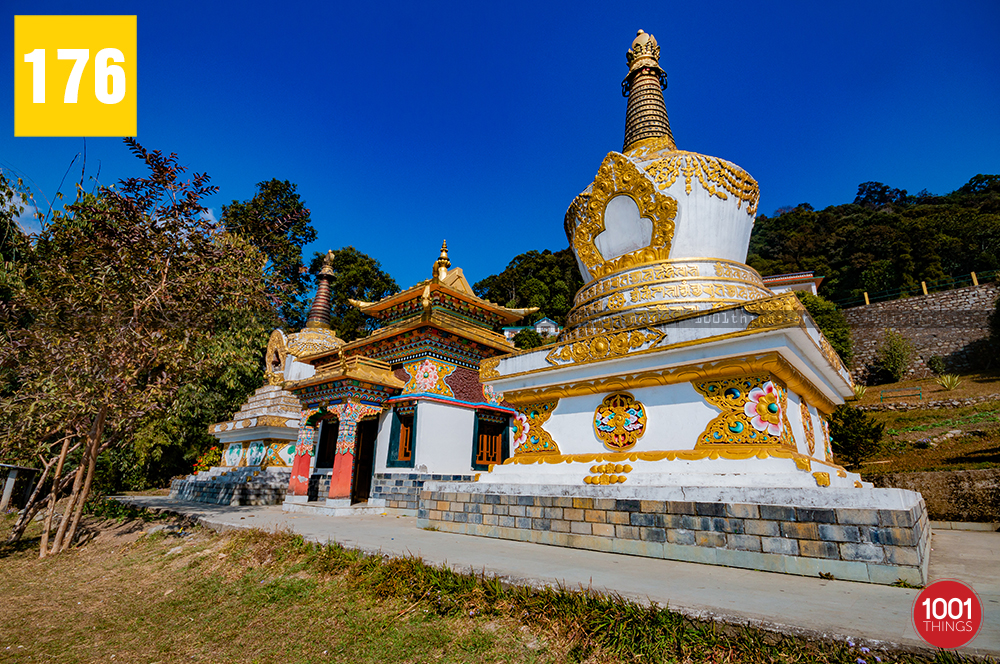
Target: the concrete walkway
(791, 604)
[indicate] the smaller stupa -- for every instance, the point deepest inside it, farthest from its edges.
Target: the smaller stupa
(258, 443)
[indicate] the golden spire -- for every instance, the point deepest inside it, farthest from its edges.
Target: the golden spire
(442, 264)
(319, 313)
(646, 115)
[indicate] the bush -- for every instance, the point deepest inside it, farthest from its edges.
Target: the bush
(948, 381)
(892, 357)
(527, 338)
(855, 435)
(831, 322)
(210, 459)
(936, 364)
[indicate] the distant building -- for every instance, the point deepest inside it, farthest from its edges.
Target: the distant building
(545, 327)
(796, 281)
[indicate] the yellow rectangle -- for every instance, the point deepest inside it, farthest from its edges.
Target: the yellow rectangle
(66, 98)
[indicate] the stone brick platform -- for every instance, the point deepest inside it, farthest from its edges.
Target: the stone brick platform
(802, 531)
(233, 486)
(401, 491)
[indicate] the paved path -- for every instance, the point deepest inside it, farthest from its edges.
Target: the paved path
(795, 604)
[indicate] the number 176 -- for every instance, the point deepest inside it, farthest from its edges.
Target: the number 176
(103, 75)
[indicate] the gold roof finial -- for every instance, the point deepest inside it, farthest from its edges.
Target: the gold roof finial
(646, 115)
(442, 264)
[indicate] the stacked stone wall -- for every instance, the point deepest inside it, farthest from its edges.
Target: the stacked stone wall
(401, 491)
(240, 486)
(955, 495)
(870, 545)
(952, 325)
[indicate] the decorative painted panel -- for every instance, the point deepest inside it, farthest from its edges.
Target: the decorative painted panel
(429, 377)
(529, 436)
(754, 412)
(619, 421)
(807, 426)
(256, 453)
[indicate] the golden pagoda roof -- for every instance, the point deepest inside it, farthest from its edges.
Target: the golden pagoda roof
(451, 283)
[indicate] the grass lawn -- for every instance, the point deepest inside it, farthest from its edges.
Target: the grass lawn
(196, 595)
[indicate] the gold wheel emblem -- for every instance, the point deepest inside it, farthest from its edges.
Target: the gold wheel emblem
(620, 421)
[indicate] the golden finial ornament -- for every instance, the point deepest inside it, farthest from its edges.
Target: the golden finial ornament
(442, 264)
(646, 114)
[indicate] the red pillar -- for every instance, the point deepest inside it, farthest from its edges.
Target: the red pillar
(340, 481)
(349, 413)
(298, 485)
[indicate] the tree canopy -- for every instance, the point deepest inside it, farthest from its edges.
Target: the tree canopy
(357, 276)
(547, 280)
(120, 300)
(885, 239)
(277, 222)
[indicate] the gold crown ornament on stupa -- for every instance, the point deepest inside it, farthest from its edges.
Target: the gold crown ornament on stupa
(660, 232)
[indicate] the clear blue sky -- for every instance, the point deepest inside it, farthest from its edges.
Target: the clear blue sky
(406, 123)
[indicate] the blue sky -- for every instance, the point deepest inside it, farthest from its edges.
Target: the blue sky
(407, 123)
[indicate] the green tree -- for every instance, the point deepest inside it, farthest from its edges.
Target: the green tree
(831, 322)
(277, 222)
(547, 280)
(123, 293)
(892, 357)
(854, 435)
(527, 339)
(357, 276)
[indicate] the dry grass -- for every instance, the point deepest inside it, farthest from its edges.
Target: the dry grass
(976, 384)
(194, 595)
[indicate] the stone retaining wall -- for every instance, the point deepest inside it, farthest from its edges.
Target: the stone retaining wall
(929, 405)
(233, 487)
(950, 324)
(871, 545)
(401, 491)
(954, 495)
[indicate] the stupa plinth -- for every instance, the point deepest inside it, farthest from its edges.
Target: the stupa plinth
(684, 401)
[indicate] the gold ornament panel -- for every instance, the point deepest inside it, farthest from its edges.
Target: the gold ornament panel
(529, 437)
(604, 346)
(619, 421)
(274, 358)
(754, 411)
(428, 377)
(717, 177)
(807, 426)
(585, 220)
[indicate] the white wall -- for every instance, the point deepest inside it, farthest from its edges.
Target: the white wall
(443, 441)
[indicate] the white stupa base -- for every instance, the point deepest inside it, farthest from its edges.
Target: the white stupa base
(796, 472)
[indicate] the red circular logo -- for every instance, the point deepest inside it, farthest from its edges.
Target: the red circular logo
(947, 614)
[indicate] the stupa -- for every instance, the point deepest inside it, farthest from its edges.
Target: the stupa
(683, 411)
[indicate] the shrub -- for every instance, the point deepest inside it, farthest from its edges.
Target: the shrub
(948, 381)
(936, 364)
(855, 435)
(860, 391)
(527, 338)
(892, 357)
(831, 322)
(210, 459)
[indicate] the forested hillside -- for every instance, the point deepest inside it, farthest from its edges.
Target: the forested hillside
(547, 280)
(885, 239)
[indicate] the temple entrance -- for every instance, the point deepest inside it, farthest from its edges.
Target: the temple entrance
(327, 447)
(364, 459)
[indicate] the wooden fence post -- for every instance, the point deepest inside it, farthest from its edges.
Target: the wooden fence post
(975, 282)
(866, 298)
(923, 284)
